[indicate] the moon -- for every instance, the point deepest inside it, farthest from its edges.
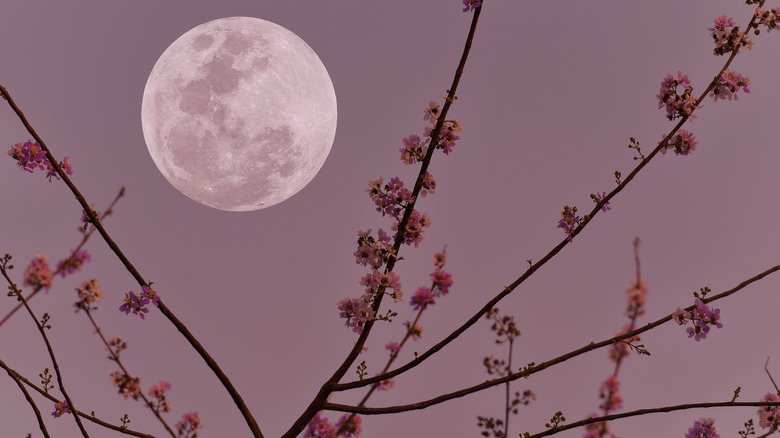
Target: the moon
(239, 114)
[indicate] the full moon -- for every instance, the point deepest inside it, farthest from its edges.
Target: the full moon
(239, 114)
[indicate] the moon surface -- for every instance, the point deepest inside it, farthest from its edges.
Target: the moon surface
(239, 114)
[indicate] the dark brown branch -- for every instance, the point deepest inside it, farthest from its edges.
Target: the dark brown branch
(650, 411)
(42, 330)
(328, 387)
(537, 368)
(91, 418)
(212, 364)
(534, 267)
(57, 271)
(34, 407)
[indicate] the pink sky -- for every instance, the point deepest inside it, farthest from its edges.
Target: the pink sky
(550, 96)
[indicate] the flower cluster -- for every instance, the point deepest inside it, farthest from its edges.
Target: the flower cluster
(38, 274)
(89, 292)
(727, 36)
(769, 416)
(189, 425)
(440, 284)
(702, 317)
(471, 5)
(348, 426)
(60, 408)
(30, 156)
(127, 386)
(136, 303)
(677, 105)
(357, 312)
(768, 18)
(702, 428)
(390, 198)
(597, 197)
(428, 184)
(569, 221)
(86, 222)
(682, 143)
(414, 150)
(158, 391)
(610, 392)
(371, 251)
(413, 234)
(728, 84)
(73, 263)
(447, 136)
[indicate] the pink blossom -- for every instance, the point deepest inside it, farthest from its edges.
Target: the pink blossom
(471, 5)
(73, 263)
(702, 428)
(421, 298)
(189, 425)
(357, 311)
(126, 385)
(320, 427)
(440, 258)
(569, 221)
(158, 391)
(89, 292)
(432, 112)
(349, 425)
(60, 408)
(682, 143)
(769, 416)
(728, 84)
(38, 274)
(677, 105)
(727, 36)
(441, 282)
(610, 392)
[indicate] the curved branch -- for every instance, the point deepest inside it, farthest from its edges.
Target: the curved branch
(212, 364)
(649, 411)
(537, 368)
(328, 387)
(34, 407)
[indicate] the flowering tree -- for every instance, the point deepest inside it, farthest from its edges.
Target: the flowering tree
(399, 202)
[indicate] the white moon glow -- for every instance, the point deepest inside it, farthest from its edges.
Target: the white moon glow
(239, 114)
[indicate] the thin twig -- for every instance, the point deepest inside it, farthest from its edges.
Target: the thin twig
(212, 364)
(34, 407)
(536, 368)
(328, 387)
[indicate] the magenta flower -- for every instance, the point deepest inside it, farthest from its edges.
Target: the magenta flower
(30, 156)
(768, 18)
(158, 391)
(189, 425)
(89, 292)
(428, 185)
(357, 311)
(38, 274)
(414, 150)
(136, 303)
(441, 282)
(432, 112)
(349, 424)
(677, 105)
(73, 263)
(393, 347)
(702, 316)
(320, 427)
(598, 197)
(471, 5)
(569, 221)
(702, 428)
(727, 36)
(414, 228)
(60, 408)
(440, 258)
(769, 416)
(86, 222)
(683, 143)
(129, 387)
(610, 392)
(421, 298)
(729, 83)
